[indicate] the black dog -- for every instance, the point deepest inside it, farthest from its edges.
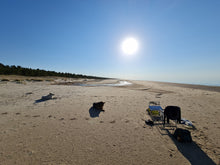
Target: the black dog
(99, 106)
(173, 113)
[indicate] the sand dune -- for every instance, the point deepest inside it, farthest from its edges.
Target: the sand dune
(61, 130)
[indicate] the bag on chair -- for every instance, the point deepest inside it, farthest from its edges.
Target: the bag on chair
(182, 135)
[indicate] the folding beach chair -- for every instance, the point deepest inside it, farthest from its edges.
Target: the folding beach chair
(155, 111)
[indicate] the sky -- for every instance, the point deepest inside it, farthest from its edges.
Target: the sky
(179, 40)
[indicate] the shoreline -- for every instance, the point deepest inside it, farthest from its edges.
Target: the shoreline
(192, 86)
(98, 82)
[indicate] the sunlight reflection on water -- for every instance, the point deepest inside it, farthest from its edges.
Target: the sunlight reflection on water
(120, 83)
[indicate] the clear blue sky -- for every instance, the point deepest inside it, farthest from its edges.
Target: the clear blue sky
(179, 40)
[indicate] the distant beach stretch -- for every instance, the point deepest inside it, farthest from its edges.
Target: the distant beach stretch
(118, 83)
(56, 122)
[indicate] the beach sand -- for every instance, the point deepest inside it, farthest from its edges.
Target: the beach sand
(61, 130)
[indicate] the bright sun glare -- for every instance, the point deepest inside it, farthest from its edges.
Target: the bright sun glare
(129, 46)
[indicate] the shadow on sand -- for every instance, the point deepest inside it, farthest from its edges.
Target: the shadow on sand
(94, 112)
(42, 100)
(191, 151)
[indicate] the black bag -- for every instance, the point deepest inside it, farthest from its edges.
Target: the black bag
(149, 122)
(182, 135)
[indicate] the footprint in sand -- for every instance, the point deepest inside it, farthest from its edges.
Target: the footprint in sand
(86, 118)
(61, 119)
(126, 121)
(36, 116)
(5, 113)
(73, 118)
(159, 95)
(18, 113)
(112, 121)
(52, 116)
(28, 93)
(101, 122)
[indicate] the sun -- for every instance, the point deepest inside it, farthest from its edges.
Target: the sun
(129, 46)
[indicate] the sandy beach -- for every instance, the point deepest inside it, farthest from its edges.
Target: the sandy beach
(61, 131)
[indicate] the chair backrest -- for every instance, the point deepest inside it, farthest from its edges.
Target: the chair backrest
(154, 103)
(173, 113)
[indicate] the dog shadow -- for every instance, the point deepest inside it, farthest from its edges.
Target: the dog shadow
(94, 112)
(43, 100)
(191, 151)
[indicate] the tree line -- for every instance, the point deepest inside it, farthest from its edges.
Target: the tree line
(18, 70)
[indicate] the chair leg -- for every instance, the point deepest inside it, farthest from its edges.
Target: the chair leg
(168, 120)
